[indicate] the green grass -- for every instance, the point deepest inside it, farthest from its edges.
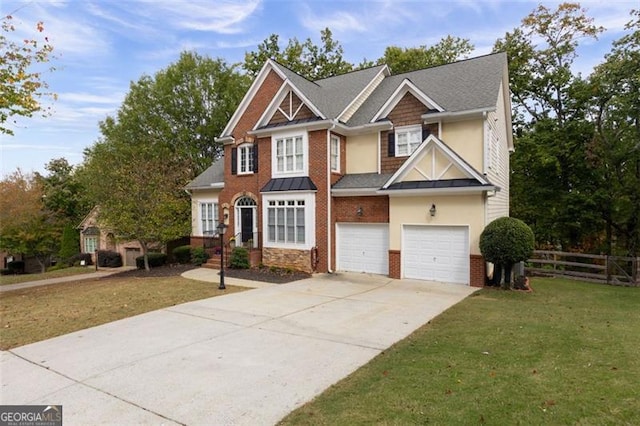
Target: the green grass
(568, 353)
(17, 279)
(38, 313)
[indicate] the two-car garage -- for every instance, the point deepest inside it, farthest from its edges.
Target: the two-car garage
(433, 253)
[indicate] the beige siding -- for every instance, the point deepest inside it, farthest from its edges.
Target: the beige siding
(465, 210)
(465, 138)
(362, 153)
(497, 160)
(210, 195)
(363, 97)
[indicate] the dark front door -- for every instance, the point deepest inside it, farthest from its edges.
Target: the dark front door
(246, 220)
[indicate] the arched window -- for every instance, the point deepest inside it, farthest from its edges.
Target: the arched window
(245, 201)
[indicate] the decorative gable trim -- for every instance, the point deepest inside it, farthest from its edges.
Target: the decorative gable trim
(287, 89)
(433, 142)
(398, 94)
(248, 97)
(357, 102)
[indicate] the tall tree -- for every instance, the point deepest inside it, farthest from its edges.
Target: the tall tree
(63, 194)
(447, 50)
(614, 153)
(21, 86)
(307, 59)
(137, 185)
(25, 226)
(550, 189)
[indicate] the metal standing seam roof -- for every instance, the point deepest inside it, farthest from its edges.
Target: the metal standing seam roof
(437, 184)
(214, 174)
(302, 183)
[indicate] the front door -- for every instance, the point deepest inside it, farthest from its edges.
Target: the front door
(246, 223)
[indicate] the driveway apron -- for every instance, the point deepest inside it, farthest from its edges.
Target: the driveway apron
(246, 358)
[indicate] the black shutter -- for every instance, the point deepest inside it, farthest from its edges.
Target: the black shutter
(255, 158)
(425, 132)
(392, 144)
(234, 161)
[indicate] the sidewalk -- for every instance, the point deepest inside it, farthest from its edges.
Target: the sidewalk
(36, 283)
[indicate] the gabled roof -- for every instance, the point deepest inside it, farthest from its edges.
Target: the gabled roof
(472, 179)
(468, 85)
(211, 178)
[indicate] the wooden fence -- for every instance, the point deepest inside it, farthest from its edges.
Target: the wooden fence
(615, 270)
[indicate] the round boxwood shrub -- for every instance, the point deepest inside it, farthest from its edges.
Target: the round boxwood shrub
(199, 256)
(504, 242)
(155, 260)
(239, 258)
(182, 254)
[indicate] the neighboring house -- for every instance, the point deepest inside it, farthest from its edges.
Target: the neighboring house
(93, 237)
(366, 171)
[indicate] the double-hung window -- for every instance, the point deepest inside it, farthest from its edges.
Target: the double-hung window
(407, 140)
(209, 217)
(90, 244)
(335, 153)
(286, 221)
(290, 156)
(245, 159)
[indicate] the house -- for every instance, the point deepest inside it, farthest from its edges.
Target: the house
(366, 171)
(94, 237)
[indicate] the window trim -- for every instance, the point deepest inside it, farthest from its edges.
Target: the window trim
(309, 219)
(247, 147)
(305, 154)
(96, 243)
(332, 139)
(216, 215)
(407, 129)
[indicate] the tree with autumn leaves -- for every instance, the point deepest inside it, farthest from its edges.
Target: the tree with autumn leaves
(22, 86)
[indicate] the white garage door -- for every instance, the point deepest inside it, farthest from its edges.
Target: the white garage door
(436, 253)
(363, 248)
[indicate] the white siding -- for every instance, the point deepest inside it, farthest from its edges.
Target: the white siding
(497, 160)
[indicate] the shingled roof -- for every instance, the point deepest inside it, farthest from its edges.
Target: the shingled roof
(213, 175)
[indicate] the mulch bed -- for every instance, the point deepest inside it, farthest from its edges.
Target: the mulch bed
(276, 275)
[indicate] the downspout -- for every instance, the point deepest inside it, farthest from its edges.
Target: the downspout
(329, 229)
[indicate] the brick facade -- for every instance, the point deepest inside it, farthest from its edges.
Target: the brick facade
(477, 271)
(394, 264)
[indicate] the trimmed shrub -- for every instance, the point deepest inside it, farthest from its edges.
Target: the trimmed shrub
(239, 258)
(16, 267)
(70, 243)
(109, 259)
(504, 242)
(182, 254)
(155, 260)
(5, 271)
(198, 256)
(76, 259)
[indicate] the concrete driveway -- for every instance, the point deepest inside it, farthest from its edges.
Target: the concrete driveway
(246, 358)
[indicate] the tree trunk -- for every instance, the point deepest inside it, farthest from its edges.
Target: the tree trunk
(508, 267)
(145, 253)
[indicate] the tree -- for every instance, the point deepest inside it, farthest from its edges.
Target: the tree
(20, 84)
(70, 243)
(25, 226)
(447, 50)
(63, 194)
(550, 185)
(137, 184)
(614, 153)
(504, 242)
(307, 59)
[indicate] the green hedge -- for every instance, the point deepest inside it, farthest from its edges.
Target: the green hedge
(182, 254)
(239, 258)
(155, 260)
(109, 259)
(199, 256)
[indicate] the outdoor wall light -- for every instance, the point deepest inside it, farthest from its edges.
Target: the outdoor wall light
(359, 211)
(432, 210)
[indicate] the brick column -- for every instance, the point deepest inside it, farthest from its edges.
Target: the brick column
(477, 273)
(394, 264)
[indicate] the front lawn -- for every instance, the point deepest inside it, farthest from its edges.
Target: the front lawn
(39, 313)
(568, 353)
(75, 270)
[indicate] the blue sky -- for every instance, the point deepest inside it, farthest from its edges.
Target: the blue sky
(101, 46)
